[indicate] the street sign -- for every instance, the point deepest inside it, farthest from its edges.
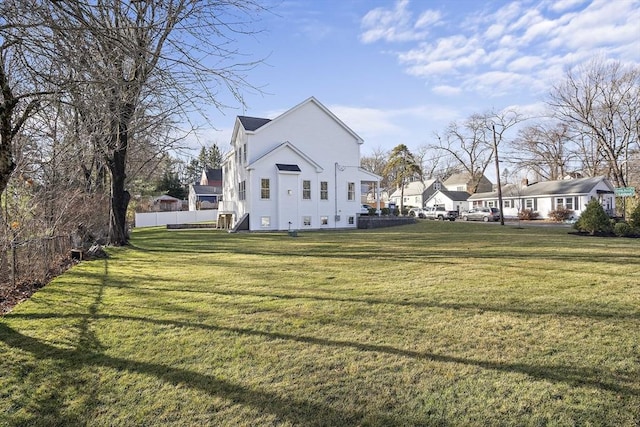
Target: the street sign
(625, 191)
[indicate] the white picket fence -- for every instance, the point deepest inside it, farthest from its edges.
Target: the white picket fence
(153, 219)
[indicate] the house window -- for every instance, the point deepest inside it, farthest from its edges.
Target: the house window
(239, 157)
(306, 221)
(306, 190)
(324, 190)
(265, 190)
(265, 221)
(566, 203)
(242, 190)
(244, 153)
(351, 220)
(491, 204)
(507, 203)
(324, 220)
(528, 204)
(351, 190)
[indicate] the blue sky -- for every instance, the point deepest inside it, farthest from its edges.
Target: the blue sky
(396, 71)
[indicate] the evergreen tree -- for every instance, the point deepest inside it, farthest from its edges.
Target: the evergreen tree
(594, 219)
(171, 185)
(401, 167)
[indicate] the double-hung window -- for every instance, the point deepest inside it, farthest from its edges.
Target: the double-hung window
(265, 188)
(306, 190)
(351, 191)
(324, 190)
(242, 190)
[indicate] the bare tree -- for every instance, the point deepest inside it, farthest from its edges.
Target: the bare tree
(376, 163)
(600, 102)
(470, 142)
(19, 93)
(128, 61)
(544, 149)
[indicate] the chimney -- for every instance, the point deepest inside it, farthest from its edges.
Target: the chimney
(525, 182)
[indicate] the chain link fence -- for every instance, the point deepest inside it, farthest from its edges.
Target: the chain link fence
(33, 261)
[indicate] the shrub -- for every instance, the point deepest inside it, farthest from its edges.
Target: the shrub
(634, 217)
(528, 214)
(622, 229)
(385, 211)
(594, 219)
(561, 214)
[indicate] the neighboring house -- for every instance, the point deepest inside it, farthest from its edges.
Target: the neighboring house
(451, 200)
(297, 171)
(415, 193)
(203, 197)
(208, 193)
(166, 203)
(465, 182)
(212, 178)
(544, 197)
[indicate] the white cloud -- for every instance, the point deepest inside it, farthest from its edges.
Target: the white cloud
(395, 25)
(519, 46)
(446, 90)
(562, 5)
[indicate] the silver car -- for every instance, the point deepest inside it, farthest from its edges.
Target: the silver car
(481, 214)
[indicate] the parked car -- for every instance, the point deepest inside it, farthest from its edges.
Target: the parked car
(364, 209)
(481, 214)
(417, 212)
(440, 213)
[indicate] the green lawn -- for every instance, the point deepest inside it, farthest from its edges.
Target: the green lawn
(437, 323)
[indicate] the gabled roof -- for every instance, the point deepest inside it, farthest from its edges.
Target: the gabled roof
(255, 124)
(550, 188)
(213, 174)
(568, 186)
(293, 148)
(454, 196)
(166, 198)
(414, 188)
(252, 123)
(201, 190)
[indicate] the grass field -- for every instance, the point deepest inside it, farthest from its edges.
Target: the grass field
(437, 323)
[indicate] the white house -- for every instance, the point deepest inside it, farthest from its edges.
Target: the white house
(544, 197)
(450, 200)
(298, 171)
(416, 193)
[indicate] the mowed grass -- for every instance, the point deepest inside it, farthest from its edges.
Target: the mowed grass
(450, 324)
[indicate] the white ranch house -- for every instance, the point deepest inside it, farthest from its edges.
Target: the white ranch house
(298, 171)
(544, 197)
(450, 200)
(416, 193)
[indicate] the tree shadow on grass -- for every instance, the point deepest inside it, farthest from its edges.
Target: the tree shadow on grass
(294, 411)
(574, 376)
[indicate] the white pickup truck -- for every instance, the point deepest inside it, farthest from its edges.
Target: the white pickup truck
(439, 213)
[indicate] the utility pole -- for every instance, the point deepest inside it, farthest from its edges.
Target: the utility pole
(495, 154)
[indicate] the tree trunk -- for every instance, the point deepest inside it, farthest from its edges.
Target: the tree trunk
(118, 235)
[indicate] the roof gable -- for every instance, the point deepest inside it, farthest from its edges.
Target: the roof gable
(283, 146)
(255, 124)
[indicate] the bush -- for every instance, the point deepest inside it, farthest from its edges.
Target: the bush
(622, 229)
(561, 214)
(594, 219)
(634, 217)
(528, 214)
(385, 211)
